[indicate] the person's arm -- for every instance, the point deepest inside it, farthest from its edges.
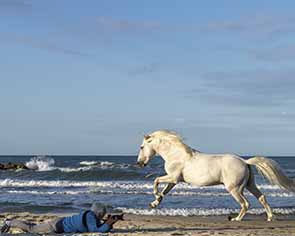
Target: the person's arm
(92, 227)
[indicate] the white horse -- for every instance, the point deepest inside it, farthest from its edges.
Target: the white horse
(184, 164)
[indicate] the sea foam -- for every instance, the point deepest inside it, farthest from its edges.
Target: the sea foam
(88, 163)
(180, 189)
(41, 163)
(199, 211)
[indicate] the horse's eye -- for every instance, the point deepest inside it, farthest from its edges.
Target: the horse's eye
(141, 147)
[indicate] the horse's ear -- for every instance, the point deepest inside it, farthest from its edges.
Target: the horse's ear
(147, 137)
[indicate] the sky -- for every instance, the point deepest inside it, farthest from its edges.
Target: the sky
(92, 77)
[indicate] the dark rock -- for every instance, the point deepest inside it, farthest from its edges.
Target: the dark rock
(13, 166)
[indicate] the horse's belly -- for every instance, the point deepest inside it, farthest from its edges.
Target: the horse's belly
(200, 174)
(200, 180)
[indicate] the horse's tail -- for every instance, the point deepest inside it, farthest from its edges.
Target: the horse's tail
(273, 172)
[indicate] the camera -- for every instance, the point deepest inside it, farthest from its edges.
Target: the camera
(116, 217)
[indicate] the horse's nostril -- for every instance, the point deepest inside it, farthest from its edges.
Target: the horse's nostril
(140, 164)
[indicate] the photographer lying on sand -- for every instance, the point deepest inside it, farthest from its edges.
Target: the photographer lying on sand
(86, 221)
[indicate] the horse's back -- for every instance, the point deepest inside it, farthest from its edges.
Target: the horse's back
(211, 169)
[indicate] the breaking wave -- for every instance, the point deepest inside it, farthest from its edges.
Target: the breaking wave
(103, 164)
(130, 192)
(88, 163)
(41, 163)
(127, 185)
(199, 211)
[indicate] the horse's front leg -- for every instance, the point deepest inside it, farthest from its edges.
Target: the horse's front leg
(172, 181)
(160, 196)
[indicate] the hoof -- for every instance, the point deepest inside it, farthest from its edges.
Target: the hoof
(152, 205)
(230, 218)
(270, 219)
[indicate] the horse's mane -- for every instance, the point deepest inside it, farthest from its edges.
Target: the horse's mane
(173, 138)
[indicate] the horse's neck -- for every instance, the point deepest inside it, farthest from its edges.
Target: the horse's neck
(172, 153)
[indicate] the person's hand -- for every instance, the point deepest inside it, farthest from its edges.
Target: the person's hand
(111, 220)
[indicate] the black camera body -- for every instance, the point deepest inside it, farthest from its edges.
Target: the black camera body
(117, 217)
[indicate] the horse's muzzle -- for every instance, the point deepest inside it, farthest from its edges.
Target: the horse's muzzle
(141, 164)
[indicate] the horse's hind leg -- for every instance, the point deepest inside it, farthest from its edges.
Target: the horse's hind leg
(237, 194)
(251, 186)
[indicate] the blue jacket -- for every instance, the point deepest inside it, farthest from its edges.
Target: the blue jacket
(74, 224)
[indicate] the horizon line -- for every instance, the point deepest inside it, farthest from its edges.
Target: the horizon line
(116, 155)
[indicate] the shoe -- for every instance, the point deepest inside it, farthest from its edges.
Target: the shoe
(6, 226)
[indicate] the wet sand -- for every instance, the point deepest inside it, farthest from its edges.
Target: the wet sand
(179, 225)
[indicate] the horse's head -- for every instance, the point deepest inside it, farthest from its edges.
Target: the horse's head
(146, 152)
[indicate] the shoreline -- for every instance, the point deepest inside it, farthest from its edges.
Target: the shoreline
(182, 225)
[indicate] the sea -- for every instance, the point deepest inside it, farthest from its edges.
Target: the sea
(71, 183)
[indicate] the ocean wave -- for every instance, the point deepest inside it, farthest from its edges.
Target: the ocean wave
(41, 163)
(107, 164)
(36, 192)
(125, 185)
(88, 163)
(104, 164)
(67, 183)
(200, 211)
(44, 163)
(69, 169)
(45, 183)
(99, 190)
(101, 164)
(118, 184)
(218, 194)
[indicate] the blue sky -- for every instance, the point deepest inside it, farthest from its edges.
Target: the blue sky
(91, 77)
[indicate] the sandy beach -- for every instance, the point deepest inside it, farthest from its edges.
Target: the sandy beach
(179, 225)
